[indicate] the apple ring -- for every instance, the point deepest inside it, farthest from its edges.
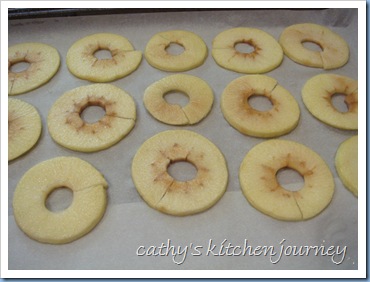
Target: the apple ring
(267, 53)
(43, 60)
(194, 54)
(24, 127)
(282, 118)
(198, 91)
(82, 62)
(334, 53)
(317, 93)
(68, 129)
(84, 213)
(168, 195)
(346, 163)
(260, 186)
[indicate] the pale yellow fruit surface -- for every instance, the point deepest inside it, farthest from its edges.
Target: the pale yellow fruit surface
(282, 118)
(267, 53)
(334, 49)
(346, 163)
(68, 129)
(168, 195)
(200, 96)
(86, 210)
(43, 60)
(82, 62)
(259, 184)
(317, 93)
(24, 127)
(194, 53)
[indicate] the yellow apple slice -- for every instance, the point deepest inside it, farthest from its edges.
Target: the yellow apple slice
(334, 49)
(171, 196)
(317, 94)
(194, 53)
(282, 118)
(259, 184)
(43, 60)
(200, 99)
(346, 164)
(86, 210)
(69, 129)
(24, 127)
(266, 55)
(82, 62)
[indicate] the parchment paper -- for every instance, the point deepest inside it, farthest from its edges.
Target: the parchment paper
(128, 222)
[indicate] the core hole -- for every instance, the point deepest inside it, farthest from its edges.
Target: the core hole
(175, 49)
(103, 54)
(176, 98)
(19, 67)
(260, 103)
(92, 114)
(182, 171)
(312, 46)
(59, 199)
(338, 102)
(290, 179)
(243, 47)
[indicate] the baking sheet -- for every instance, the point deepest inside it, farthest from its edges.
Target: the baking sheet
(128, 222)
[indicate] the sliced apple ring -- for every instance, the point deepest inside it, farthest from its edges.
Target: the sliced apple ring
(24, 127)
(83, 64)
(334, 49)
(346, 164)
(266, 55)
(194, 53)
(260, 186)
(86, 210)
(200, 96)
(317, 93)
(43, 60)
(69, 129)
(168, 195)
(280, 119)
